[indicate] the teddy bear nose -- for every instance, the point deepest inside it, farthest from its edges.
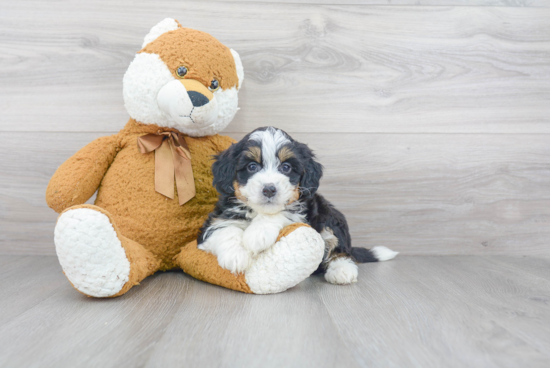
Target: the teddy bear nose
(197, 98)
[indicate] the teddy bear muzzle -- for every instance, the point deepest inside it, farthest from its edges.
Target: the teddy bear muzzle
(188, 102)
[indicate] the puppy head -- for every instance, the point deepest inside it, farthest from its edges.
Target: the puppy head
(267, 170)
(183, 79)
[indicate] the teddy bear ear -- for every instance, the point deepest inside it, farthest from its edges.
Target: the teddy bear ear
(164, 26)
(239, 66)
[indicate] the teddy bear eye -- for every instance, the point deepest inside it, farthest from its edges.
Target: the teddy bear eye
(214, 85)
(181, 71)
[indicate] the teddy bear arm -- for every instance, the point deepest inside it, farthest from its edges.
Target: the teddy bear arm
(296, 255)
(77, 179)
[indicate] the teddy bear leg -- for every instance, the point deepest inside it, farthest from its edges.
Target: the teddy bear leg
(95, 257)
(296, 255)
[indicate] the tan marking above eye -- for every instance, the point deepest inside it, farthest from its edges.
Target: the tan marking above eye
(285, 153)
(254, 153)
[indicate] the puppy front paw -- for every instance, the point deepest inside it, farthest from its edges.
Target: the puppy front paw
(234, 258)
(258, 237)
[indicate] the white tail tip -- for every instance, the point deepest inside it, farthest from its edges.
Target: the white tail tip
(383, 254)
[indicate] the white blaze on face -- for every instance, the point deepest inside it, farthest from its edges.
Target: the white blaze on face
(271, 140)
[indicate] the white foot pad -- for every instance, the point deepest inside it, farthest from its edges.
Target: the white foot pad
(287, 263)
(90, 252)
(341, 271)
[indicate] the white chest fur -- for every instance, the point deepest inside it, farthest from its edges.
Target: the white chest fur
(263, 231)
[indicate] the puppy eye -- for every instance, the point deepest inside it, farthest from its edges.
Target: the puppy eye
(252, 167)
(285, 168)
(214, 85)
(181, 71)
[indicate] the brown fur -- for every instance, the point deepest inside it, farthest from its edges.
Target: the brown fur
(290, 228)
(238, 193)
(255, 153)
(204, 266)
(187, 47)
(295, 195)
(127, 192)
(285, 153)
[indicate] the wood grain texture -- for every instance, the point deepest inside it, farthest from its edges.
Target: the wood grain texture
(512, 3)
(309, 68)
(27, 281)
(485, 311)
(415, 193)
(416, 311)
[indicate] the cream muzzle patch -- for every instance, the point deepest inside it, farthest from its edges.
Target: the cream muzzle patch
(187, 107)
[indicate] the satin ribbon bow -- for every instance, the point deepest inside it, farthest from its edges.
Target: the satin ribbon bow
(172, 158)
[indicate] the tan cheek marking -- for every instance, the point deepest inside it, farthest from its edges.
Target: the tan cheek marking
(238, 193)
(295, 195)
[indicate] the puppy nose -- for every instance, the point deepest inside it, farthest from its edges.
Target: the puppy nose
(197, 98)
(269, 190)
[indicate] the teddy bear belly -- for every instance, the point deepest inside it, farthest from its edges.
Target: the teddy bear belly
(158, 223)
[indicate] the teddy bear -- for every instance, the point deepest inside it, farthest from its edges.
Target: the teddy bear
(154, 181)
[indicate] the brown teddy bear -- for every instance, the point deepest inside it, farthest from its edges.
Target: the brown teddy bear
(154, 180)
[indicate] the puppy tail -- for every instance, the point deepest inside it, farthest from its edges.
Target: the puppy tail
(376, 254)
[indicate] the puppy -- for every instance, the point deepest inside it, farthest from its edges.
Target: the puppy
(266, 182)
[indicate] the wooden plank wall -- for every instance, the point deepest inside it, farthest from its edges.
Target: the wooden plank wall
(432, 118)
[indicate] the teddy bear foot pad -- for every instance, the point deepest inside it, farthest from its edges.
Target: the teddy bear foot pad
(90, 252)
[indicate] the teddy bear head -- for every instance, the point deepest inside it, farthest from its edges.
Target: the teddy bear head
(183, 79)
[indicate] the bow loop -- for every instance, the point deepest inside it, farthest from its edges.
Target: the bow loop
(172, 159)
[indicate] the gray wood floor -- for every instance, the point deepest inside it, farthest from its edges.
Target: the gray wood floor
(415, 311)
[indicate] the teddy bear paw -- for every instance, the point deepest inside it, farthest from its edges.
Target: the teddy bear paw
(90, 252)
(288, 262)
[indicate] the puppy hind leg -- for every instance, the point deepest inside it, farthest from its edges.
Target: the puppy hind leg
(341, 270)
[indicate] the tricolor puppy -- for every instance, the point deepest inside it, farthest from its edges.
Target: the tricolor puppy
(266, 182)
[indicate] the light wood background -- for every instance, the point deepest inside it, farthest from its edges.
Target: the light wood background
(432, 118)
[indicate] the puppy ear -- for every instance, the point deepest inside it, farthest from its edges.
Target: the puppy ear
(311, 176)
(224, 169)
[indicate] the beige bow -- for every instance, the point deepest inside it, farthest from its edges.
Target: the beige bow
(172, 158)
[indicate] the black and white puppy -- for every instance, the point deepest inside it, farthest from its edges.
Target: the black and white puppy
(266, 182)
